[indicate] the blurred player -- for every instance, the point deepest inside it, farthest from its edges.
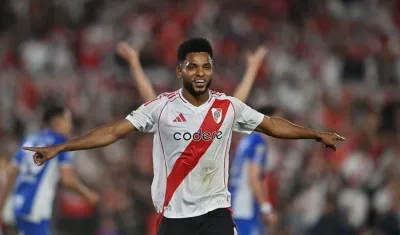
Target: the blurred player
(146, 90)
(34, 187)
(192, 135)
(251, 208)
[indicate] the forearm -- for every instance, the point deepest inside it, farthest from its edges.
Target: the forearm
(259, 191)
(261, 195)
(143, 82)
(283, 129)
(73, 184)
(243, 90)
(97, 138)
(11, 178)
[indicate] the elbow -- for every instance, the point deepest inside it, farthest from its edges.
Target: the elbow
(112, 134)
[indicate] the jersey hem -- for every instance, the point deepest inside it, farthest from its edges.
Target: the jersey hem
(195, 214)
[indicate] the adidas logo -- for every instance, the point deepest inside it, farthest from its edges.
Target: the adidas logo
(180, 118)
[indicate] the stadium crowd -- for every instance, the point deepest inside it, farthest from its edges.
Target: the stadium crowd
(332, 64)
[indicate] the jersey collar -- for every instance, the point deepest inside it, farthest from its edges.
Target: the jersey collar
(188, 103)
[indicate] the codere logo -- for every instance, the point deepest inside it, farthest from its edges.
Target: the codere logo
(197, 136)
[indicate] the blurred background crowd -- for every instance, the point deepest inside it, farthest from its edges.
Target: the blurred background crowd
(332, 64)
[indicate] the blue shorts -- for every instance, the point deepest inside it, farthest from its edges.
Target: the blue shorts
(250, 227)
(25, 227)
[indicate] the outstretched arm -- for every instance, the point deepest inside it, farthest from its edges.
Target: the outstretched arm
(283, 129)
(254, 61)
(131, 55)
(99, 137)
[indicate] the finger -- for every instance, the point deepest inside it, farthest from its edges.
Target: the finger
(338, 137)
(33, 149)
(38, 158)
(123, 46)
(262, 50)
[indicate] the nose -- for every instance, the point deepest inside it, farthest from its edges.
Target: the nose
(200, 72)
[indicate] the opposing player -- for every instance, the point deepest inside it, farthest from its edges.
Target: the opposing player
(34, 187)
(192, 135)
(146, 90)
(251, 208)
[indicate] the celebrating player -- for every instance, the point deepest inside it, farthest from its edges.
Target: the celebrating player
(192, 135)
(35, 187)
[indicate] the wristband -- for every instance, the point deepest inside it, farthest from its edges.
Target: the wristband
(266, 208)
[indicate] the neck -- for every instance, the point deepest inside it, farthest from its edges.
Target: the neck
(195, 100)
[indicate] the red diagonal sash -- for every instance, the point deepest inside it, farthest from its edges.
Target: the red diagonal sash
(192, 153)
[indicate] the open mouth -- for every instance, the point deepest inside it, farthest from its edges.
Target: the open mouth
(200, 82)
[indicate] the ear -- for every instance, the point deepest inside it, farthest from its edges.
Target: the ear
(179, 72)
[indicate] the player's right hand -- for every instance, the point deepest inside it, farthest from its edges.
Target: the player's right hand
(43, 154)
(129, 53)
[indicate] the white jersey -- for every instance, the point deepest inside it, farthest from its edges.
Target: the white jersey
(191, 150)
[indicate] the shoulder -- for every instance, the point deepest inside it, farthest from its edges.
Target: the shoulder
(222, 96)
(161, 100)
(217, 94)
(169, 95)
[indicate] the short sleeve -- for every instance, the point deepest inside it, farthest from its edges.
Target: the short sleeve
(66, 158)
(258, 153)
(145, 117)
(246, 118)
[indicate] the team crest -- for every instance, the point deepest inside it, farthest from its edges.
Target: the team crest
(217, 114)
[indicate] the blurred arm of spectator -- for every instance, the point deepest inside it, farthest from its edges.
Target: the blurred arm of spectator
(254, 61)
(11, 178)
(69, 179)
(146, 90)
(131, 55)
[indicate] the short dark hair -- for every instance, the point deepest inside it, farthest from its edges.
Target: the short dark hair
(194, 45)
(267, 110)
(52, 111)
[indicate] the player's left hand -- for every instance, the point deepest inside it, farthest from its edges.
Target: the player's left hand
(329, 139)
(43, 154)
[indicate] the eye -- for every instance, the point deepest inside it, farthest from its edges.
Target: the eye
(207, 67)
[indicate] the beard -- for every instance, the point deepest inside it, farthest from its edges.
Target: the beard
(189, 86)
